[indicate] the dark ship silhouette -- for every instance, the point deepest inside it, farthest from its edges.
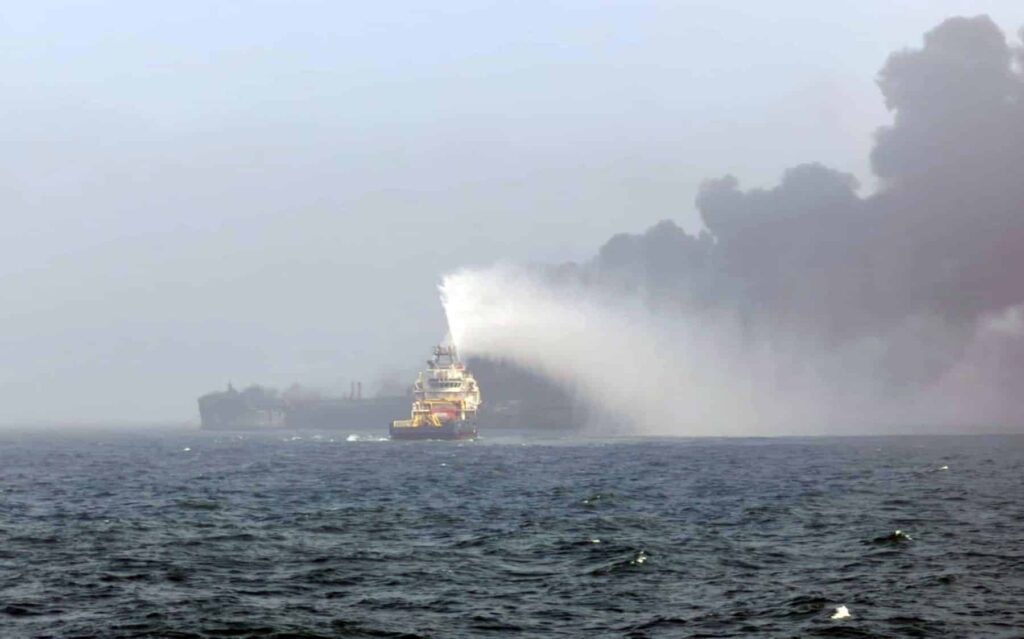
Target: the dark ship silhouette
(515, 399)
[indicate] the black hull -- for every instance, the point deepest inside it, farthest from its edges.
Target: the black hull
(451, 431)
(237, 411)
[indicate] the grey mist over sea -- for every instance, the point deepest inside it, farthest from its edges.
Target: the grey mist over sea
(725, 300)
(270, 194)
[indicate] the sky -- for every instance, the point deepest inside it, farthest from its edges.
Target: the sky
(196, 193)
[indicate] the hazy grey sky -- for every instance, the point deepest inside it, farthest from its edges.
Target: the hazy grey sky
(270, 191)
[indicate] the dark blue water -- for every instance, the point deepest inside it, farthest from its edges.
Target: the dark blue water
(186, 534)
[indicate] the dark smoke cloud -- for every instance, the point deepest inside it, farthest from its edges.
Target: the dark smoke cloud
(930, 267)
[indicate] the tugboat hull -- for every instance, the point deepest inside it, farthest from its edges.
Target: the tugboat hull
(445, 400)
(449, 431)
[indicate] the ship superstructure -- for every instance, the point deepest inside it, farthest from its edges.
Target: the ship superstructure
(446, 399)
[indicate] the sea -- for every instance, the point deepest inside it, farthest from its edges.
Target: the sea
(179, 533)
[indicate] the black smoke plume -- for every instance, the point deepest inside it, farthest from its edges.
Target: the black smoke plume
(911, 297)
(932, 264)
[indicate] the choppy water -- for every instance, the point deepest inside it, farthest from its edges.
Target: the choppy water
(185, 534)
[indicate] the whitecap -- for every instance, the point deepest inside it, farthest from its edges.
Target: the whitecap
(841, 612)
(356, 437)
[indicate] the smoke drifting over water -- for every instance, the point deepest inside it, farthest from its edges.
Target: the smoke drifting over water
(807, 307)
(634, 368)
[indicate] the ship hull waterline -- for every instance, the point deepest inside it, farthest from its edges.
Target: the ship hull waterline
(449, 431)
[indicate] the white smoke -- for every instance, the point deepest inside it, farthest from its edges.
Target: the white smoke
(700, 373)
(650, 373)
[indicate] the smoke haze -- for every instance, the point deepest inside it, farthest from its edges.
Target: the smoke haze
(807, 307)
(199, 193)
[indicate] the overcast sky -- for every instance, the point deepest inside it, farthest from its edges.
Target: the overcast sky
(270, 191)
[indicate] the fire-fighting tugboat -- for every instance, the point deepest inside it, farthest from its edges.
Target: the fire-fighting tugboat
(445, 401)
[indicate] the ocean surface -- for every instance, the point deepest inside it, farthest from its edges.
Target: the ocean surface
(198, 534)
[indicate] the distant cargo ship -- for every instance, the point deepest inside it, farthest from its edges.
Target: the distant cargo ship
(261, 408)
(445, 402)
(516, 400)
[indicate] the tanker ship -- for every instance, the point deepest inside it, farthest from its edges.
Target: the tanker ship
(263, 408)
(445, 401)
